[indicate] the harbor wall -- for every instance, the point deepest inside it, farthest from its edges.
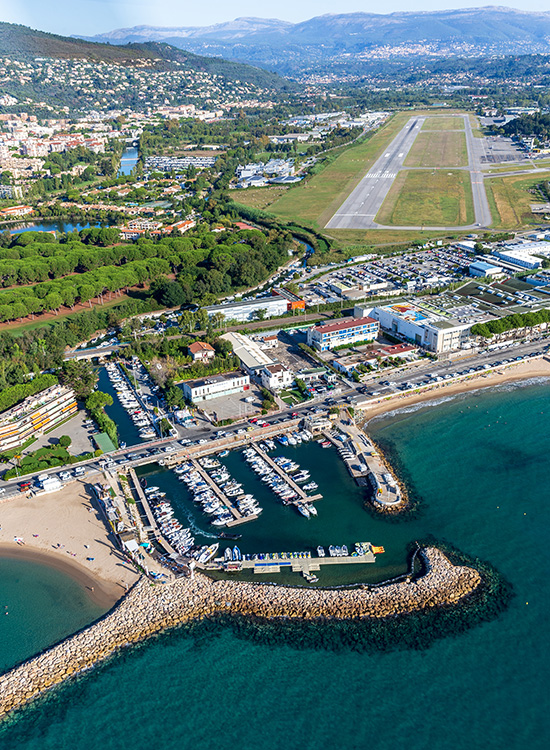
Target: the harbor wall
(148, 609)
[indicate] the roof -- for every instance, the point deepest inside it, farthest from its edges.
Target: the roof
(344, 324)
(484, 266)
(104, 442)
(200, 346)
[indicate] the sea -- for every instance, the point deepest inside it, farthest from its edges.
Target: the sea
(478, 468)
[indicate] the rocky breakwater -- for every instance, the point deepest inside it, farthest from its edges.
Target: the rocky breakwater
(149, 609)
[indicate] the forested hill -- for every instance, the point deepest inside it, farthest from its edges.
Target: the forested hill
(21, 42)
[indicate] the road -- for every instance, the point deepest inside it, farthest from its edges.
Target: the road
(360, 208)
(153, 451)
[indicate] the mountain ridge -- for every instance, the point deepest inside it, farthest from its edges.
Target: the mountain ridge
(291, 49)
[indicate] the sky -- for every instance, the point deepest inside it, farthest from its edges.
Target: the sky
(89, 17)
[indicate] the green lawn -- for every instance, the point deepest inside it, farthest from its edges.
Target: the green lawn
(437, 198)
(444, 123)
(510, 200)
(438, 149)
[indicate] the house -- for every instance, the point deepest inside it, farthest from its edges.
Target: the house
(276, 376)
(201, 351)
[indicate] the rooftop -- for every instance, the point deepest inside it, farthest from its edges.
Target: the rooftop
(344, 324)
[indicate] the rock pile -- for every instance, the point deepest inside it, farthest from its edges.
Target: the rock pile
(149, 609)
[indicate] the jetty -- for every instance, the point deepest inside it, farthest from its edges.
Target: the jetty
(277, 563)
(366, 465)
(148, 609)
(302, 494)
(142, 497)
(238, 518)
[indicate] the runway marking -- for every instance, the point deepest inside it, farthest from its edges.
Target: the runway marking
(386, 156)
(380, 175)
(400, 155)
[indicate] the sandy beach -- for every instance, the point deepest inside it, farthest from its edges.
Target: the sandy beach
(537, 368)
(63, 529)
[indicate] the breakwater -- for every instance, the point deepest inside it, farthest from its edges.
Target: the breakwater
(148, 609)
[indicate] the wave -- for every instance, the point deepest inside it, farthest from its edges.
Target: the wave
(437, 401)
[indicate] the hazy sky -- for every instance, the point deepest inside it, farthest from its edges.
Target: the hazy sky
(95, 16)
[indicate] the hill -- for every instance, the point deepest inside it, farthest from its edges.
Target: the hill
(315, 45)
(21, 42)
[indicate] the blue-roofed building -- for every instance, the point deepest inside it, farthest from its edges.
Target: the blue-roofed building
(481, 268)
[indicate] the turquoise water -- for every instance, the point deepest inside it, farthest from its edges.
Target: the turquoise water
(42, 606)
(55, 226)
(480, 465)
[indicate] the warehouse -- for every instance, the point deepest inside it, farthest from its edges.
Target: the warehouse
(250, 309)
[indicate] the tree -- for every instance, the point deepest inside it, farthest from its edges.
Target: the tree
(64, 441)
(80, 376)
(98, 400)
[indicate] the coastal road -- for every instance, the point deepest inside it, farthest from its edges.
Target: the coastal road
(360, 208)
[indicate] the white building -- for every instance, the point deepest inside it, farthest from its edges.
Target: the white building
(429, 329)
(251, 356)
(342, 332)
(249, 309)
(215, 386)
(276, 376)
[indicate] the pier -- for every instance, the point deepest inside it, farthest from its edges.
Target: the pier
(304, 564)
(238, 518)
(149, 514)
(304, 497)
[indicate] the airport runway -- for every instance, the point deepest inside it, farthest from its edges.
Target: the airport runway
(360, 208)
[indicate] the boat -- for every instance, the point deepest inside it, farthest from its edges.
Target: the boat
(321, 551)
(223, 454)
(209, 553)
(237, 554)
(227, 535)
(303, 509)
(310, 578)
(312, 509)
(325, 444)
(228, 554)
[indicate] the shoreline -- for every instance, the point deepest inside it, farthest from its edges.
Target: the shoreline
(510, 374)
(103, 593)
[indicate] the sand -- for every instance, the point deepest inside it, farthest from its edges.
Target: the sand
(535, 368)
(72, 519)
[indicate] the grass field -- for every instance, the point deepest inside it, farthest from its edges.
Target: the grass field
(510, 201)
(438, 149)
(474, 124)
(443, 123)
(436, 198)
(260, 198)
(315, 201)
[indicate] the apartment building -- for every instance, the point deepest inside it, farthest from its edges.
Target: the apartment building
(35, 415)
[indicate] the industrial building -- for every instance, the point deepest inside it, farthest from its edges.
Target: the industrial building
(251, 355)
(342, 332)
(215, 386)
(248, 309)
(36, 415)
(482, 269)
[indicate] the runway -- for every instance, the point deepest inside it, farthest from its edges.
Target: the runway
(361, 207)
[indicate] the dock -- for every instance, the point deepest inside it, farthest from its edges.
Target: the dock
(304, 497)
(238, 518)
(158, 536)
(303, 564)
